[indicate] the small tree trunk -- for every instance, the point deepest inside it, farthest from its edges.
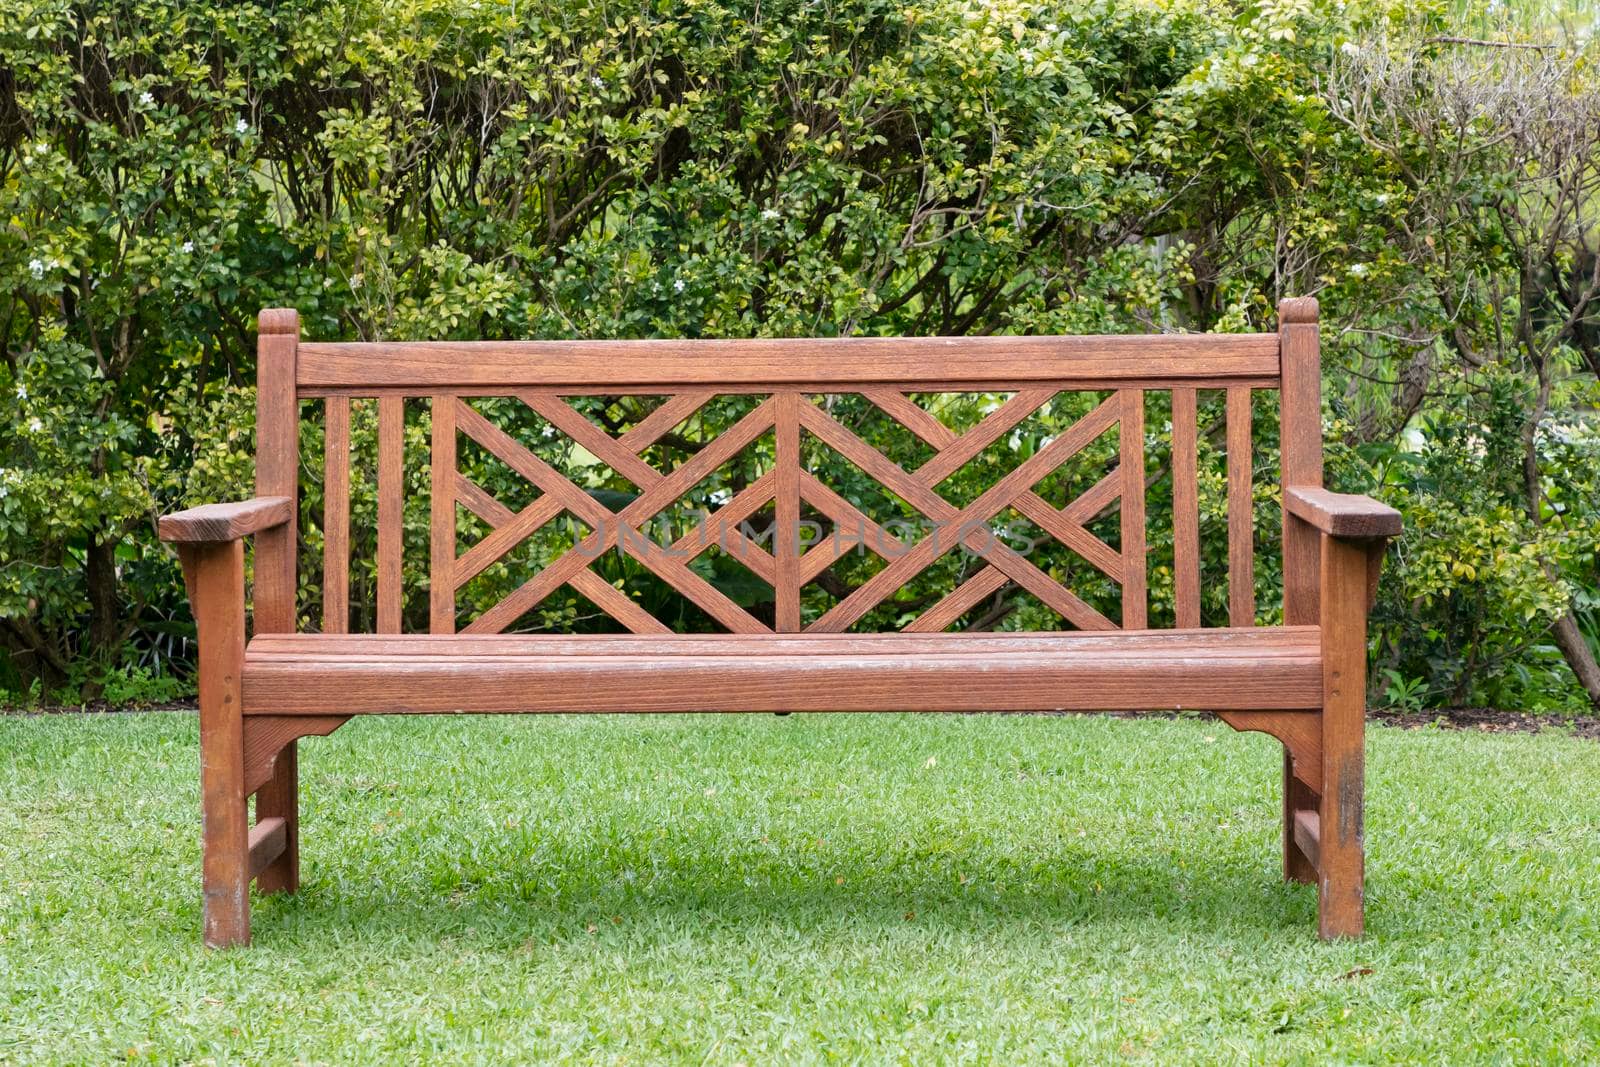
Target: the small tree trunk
(1579, 656)
(105, 623)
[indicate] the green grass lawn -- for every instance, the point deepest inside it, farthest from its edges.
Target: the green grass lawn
(816, 888)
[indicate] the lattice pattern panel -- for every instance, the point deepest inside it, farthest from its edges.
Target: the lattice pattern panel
(789, 528)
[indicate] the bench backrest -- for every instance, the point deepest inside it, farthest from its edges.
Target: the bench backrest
(789, 399)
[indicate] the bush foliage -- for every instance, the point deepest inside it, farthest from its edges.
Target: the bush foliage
(718, 168)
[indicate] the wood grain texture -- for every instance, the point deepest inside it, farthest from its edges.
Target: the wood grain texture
(1135, 595)
(786, 513)
(279, 800)
(266, 737)
(1347, 515)
(1258, 668)
(442, 520)
(214, 573)
(277, 466)
(1241, 510)
(1343, 616)
(1300, 436)
(823, 364)
(391, 511)
(1185, 509)
(336, 516)
(226, 521)
(268, 838)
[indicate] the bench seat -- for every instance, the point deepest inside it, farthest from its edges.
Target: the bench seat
(1277, 668)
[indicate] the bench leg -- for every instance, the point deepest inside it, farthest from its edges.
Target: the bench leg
(1341, 861)
(215, 575)
(1297, 796)
(280, 798)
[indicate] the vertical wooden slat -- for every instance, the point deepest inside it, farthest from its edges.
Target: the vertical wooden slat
(1131, 447)
(336, 516)
(391, 501)
(1343, 619)
(442, 553)
(1185, 509)
(1300, 440)
(1241, 511)
(1300, 433)
(277, 466)
(786, 506)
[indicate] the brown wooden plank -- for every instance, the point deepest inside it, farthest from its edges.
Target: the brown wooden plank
(503, 539)
(481, 503)
(1241, 511)
(597, 442)
(336, 516)
(650, 502)
(1185, 510)
(911, 415)
(1135, 597)
(1299, 795)
(671, 414)
(442, 542)
(1300, 434)
(214, 573)
(956, 603)
(963, 526)
(1264, 641)
(391, 511)
(1067, 671)
(721, 529)
(617, 604)
(1308, 836)
(809, 362)
(786, 513)
(277, 466)
(226, 521)
(279, 799)
(1343, 619)
(1347, 515)
(268, 839)
(994, 426)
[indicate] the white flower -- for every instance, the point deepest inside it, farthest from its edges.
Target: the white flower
(1350, 48)
(22, 392)
(677, 286)
(1382, 198)
(1358, 269)
(1027, 55)
(241, 127)
(188, 247)
(36, 268)
(40, 149)
(147, 98)
(1051, 27)
(35, 425)
(770, 214)
(597, 81)
(357, 280)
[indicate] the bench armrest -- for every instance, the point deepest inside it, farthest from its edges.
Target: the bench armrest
(214, 523)
(1345, 515)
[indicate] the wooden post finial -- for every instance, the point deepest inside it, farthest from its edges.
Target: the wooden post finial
(1297, 309)
(279, 320)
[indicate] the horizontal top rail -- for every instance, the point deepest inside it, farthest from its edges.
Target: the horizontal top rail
(823, 364)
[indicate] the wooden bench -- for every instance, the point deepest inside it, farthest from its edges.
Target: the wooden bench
(1302, 682)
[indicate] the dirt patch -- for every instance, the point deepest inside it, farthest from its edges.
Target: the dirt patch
(1489, 721)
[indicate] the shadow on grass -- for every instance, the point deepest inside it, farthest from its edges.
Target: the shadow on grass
(493, 896)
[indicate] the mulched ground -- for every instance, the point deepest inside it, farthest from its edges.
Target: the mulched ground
(1486, 720)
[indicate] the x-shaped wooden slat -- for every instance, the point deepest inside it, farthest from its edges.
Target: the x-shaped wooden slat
(610, 529)
(970, 522)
